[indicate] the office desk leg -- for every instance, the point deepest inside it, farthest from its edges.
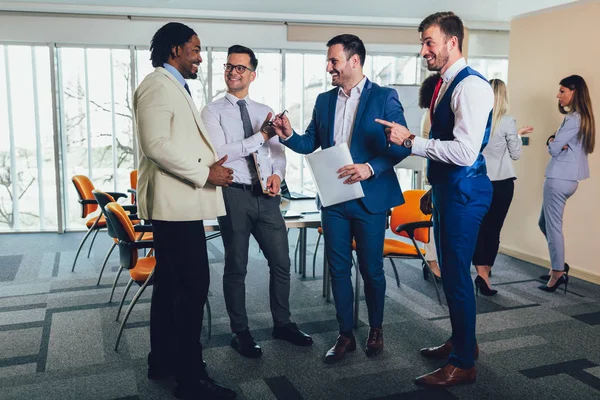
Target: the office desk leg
(302, 251)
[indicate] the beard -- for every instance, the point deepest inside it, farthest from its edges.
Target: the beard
(441, 59)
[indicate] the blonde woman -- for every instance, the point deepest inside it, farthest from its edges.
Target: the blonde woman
(569, 148)
(504, 147)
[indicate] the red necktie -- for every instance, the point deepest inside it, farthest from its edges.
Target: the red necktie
(434, 98)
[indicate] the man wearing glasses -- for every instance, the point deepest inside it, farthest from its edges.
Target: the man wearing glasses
(239, 128)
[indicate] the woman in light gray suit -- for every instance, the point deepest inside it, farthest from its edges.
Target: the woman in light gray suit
(503, 147)
(569, 148)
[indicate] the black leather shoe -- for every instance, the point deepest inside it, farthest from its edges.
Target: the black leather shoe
(205, 389)
(244, 343)
(291, 333)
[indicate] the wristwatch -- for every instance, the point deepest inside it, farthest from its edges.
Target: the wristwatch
(408, 142)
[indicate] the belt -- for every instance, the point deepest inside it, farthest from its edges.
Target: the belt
(253, 187)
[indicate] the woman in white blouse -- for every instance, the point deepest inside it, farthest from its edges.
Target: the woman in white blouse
(503, 147)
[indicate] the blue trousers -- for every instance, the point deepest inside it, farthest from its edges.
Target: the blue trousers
(342, 223)
(459, 208)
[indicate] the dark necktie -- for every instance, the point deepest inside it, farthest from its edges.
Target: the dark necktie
(434, 98)
(187, 88)
(248, 131)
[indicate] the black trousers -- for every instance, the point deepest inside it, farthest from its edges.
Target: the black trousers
(488, 240)
(180, 289)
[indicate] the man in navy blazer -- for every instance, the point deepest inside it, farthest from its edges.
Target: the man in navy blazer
(346, 114)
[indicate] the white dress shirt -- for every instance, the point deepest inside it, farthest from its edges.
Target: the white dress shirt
(345, 113)
(223, 121)
(471, 103)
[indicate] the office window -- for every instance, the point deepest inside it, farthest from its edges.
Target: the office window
(27, 173)
(491, 68)
(96, 119)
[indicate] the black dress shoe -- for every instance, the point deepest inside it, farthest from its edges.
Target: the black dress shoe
(290, 333)
(205, 389)
(547, 276)
(244, 343)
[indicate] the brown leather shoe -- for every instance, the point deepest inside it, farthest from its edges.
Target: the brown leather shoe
(343, 344)
(447, 376)
(374, 344)
(443, 352)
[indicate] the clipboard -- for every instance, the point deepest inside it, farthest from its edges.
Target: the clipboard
(262, 180)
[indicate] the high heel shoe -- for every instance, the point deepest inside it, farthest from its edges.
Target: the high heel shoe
(481, 286)
(563, 279)
(547, 276)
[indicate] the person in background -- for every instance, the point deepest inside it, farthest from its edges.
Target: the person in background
(425, 95)
(569, 148)
(503, 147)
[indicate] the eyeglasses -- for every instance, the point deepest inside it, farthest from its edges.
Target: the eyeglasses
(240, 69)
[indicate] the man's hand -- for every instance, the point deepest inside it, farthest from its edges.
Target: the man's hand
(273, 185)
(282, 126)
(266, 129)
(219, 175)
(355, 172)
(396, 133)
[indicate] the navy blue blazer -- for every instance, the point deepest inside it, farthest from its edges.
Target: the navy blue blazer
(368, 141)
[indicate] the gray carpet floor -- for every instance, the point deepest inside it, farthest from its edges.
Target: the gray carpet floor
(57, 333)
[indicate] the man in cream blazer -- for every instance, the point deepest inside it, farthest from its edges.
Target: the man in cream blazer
(178, 187)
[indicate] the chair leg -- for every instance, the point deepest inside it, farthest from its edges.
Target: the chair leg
(130, 308)
(92, 243)
(115, 283)
(209, 317)
(112, 247)
(79, 249)
(315, 253)
(123, 298)
(395, 272)
(296, 250)
(356, 292)
(435, 285)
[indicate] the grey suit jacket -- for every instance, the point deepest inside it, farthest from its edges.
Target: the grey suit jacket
(503, 147)
(570, 164)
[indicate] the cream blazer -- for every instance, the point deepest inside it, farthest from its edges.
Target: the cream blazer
(175, 154)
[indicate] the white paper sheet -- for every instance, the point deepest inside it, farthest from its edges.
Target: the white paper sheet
(323, 166)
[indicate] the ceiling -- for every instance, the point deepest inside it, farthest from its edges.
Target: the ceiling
(476, 13)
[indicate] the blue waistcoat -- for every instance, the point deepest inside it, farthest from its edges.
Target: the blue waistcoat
(442, 127)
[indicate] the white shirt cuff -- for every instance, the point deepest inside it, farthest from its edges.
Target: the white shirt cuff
(419, 146)
(371, 168)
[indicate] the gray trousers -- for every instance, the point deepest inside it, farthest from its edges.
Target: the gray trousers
(259, 216)
(556, 193)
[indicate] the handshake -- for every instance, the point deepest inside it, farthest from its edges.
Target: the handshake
(278, 126)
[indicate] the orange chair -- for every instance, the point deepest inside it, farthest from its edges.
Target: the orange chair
(141, 269)
(133, 185)
(408, 220)
(103, 199)
(84, 188)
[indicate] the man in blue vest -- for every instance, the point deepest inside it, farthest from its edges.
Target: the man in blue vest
(346, 114)
(460, 128)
